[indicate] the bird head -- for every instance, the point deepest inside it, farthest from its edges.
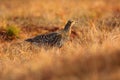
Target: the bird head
(67, 29)
(69, 25)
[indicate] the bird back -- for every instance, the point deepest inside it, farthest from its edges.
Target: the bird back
(51, 39)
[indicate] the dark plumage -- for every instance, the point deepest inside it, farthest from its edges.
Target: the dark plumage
(57, 38)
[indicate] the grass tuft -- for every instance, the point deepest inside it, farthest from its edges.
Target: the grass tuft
(13, 31)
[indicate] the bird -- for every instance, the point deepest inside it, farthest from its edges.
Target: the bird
(56, 39)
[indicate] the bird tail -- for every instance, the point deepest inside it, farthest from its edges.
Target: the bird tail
(29, 40)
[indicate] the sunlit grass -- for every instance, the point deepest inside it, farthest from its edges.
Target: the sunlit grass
(91, 54)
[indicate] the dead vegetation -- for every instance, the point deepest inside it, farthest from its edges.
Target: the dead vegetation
(91, 54)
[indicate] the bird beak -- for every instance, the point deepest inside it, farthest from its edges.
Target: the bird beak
(74, 22)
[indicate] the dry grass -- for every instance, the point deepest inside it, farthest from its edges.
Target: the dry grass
(92, 53)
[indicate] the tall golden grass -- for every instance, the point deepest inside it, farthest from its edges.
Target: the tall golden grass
(91, 54)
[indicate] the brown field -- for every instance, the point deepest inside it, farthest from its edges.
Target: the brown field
(93, 52)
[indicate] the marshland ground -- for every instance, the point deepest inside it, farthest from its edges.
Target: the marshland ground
(93, 52)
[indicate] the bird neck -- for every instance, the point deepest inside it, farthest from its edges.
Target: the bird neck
(67, 27)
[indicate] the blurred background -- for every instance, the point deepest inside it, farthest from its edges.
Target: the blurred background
(55, 12)
(91, 54)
